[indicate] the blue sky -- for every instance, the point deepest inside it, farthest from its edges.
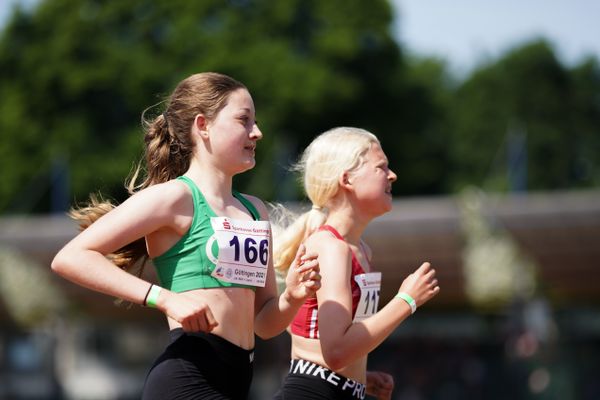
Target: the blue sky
(468, 32)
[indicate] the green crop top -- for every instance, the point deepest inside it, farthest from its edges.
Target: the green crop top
(186, 266)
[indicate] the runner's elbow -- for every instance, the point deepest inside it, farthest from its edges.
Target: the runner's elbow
(58, 264)
(62, 262)
(335, 358)
(265, 333)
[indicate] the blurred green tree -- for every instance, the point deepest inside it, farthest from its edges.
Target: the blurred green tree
(529, 103)
(75, 76)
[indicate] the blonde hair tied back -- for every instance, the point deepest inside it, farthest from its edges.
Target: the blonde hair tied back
(324, 161)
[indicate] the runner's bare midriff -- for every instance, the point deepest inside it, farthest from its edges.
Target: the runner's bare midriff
(310, 349)
(233, 309)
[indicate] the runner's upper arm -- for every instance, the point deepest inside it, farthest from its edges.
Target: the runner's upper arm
(151, 209)
(335, 295)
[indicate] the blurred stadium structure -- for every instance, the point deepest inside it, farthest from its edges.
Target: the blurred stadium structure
(518, 315)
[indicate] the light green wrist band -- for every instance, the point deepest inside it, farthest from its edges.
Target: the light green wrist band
(407, 298)
(153, 296)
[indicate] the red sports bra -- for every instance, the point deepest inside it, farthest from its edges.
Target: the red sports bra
(306, 323)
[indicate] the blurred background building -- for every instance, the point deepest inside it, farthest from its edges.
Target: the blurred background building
(498, 161)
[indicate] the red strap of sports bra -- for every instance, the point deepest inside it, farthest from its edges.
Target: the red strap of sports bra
(332, 230)
(359, 267)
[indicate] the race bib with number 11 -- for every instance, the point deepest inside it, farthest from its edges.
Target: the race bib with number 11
(370, 284)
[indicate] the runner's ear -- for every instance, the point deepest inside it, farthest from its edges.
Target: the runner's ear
(344, 180)
(201, 126)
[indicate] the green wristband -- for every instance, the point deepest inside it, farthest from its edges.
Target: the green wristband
(153, 296)
(407, 298)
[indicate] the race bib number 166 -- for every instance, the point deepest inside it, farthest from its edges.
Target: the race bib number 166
(243, 250)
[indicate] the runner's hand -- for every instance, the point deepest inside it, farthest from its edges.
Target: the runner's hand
(380, 385)
(421, 285)
(303, 278)
(193, 315)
